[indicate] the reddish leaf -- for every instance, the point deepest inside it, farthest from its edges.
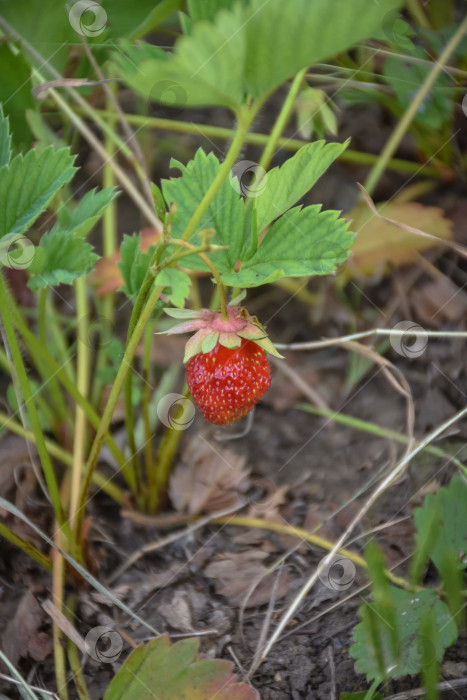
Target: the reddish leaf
(173, 672)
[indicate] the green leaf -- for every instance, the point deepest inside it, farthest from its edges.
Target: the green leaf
(134, 264)
(450, 532)
(248, 50)
(281, 40)
(5, 139)
(178, 282)
(409, 610)
(28, 184)
(15, 93)
(225, 214)
(302, 242)
(66, 258)
(207, 9)
(172, 672)
(205, 68)
(87, 212)
(284, 186)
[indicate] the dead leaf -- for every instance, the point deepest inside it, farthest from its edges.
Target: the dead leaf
(438, 301)
(21, 636)
(208, 479)
(234, 574)
(379, 243)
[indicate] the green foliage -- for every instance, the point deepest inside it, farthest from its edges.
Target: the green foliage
(176, 285)
(408, 611)
(28, 184)
(284, 186)
(15, 93)
(225, 214)
(84, 216)
(247, 50)
(450, 531)
(302, 242)
(5, 139)
(134, 263)
(172, 672)
(67, 257)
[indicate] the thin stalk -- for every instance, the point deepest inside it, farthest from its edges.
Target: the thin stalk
(43, 320)
(401, 128)
(255, 139)
(145, 401)
(42, 315)
(58, 588)
(46, 463)
(25, 546)
(165, 455)
(63, 456)
(83, 364)
(109, 247)
(111, 404)
(72, 653)
(282, 120)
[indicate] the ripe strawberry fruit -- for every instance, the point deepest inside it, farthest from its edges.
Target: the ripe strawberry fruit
(227, 370)
(226, 383)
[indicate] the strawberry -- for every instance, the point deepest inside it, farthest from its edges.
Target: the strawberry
(226, 383)
(227, 370)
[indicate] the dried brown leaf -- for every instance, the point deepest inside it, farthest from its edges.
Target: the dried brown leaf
(209, 478)
(21, 636)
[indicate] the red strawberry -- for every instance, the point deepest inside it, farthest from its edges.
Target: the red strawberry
(227, 369)
(226, 383)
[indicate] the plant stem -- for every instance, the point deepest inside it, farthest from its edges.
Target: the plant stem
(282, 120)
(111, 404)
(83, 363)
(255, 139)
(27, 397)
(145, 400)
(58, 587)
(25, 546)
(72, 651)
(401, 128)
